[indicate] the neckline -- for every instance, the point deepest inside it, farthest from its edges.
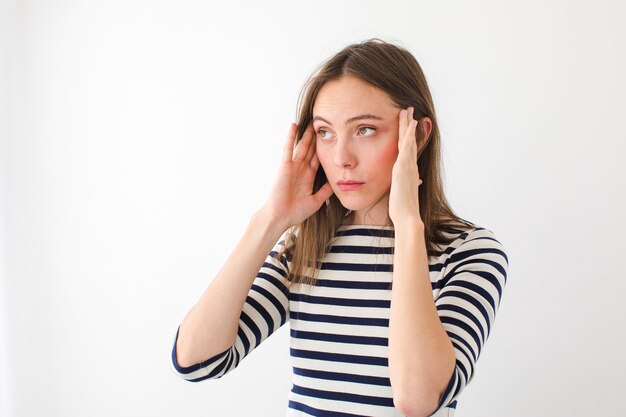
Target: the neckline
(364, 226)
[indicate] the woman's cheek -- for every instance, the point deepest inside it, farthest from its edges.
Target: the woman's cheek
(389, 154)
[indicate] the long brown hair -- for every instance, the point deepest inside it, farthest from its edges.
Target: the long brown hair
(394, 70)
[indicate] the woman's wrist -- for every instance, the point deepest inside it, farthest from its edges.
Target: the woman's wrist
(269, 223)
(410, 225)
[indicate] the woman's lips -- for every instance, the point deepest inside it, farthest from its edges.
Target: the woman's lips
(349, 185)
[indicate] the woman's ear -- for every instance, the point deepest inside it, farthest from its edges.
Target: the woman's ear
(424, 128)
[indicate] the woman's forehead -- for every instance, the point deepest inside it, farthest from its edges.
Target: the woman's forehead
(342, 99)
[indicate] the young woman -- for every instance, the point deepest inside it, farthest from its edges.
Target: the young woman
(389, 295)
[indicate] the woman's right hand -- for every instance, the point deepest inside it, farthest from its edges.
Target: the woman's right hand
(291, 200)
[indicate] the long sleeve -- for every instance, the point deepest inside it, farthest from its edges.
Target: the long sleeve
(473, 282)
(265, 310)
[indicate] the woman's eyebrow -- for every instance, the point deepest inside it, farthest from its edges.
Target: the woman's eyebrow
(352, 119)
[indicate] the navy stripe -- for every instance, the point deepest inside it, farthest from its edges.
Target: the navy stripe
(360, 285)
(461, 324)
(340, 266)
(454, 337)
(328, 318)
(339, 376)
(253, 328)
(470, 286)
(294, 405)
(222, 365)
(369, 250)
(270, 297)
(339, 338)
(494, 264)
(465, 313)
(338, 357)
(348, 302)
(366, 232)
(263, 312)
(274, 282)
(343, 396)
(192, 368)
(241, 335)
(467, 374)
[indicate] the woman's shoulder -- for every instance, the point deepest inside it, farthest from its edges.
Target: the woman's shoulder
(479, 242)
(468, 233)
(482, 236)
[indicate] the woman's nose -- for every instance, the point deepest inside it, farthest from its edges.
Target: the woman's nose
(344, 156)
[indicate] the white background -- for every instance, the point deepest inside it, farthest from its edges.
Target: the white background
(139, 136)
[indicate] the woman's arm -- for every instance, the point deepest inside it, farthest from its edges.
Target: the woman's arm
(474, 279)
(210, 327)
(421, 355)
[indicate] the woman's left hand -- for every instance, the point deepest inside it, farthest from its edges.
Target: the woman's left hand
(405, 179)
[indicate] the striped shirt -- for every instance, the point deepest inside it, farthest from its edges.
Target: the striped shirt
(339, 328)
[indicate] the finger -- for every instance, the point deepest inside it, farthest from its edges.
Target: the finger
(401, 124)
(416, 132)
(411, 116)
(406, 128)
(288, 146)
(411, 141)
(312, 145)
(409, 119)
(302, 147)
(323, 194)
(408, 142)
(315, 162)
(417, 136)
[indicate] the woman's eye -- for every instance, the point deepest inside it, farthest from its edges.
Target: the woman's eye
(321, 133)
(361, 129)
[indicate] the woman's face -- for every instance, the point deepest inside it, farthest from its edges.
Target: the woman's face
(356, 127)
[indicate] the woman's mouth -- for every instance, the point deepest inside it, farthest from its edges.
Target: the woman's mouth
(349, 185)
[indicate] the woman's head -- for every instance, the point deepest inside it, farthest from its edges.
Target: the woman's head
(356, 127)
(388, 69)
(378, 78)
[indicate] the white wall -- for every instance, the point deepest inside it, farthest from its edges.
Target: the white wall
(139, 136)
(8, 39)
